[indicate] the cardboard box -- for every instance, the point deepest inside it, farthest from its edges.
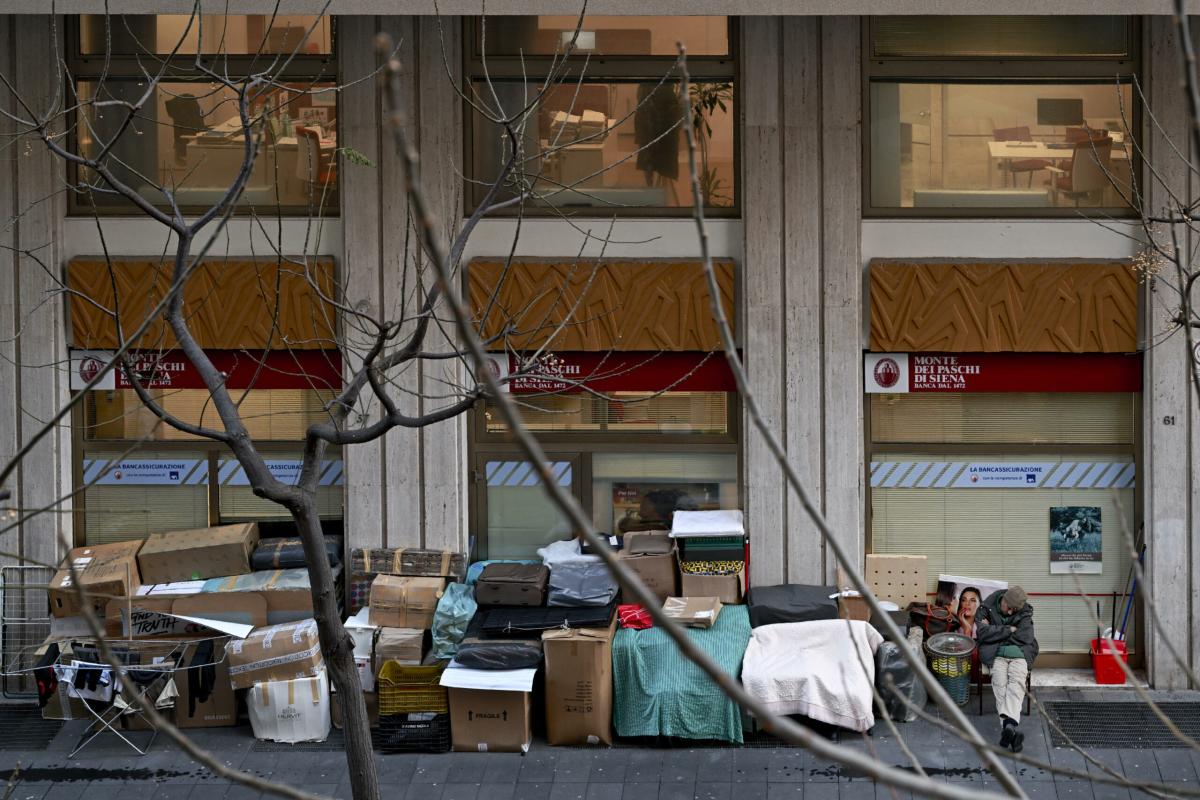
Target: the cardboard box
(370, 698)
(151, 614)
(291, 711)
(694, 612)
(853, 608)
(287, 591)
(275, 653)
(206, 698)
(198, 554)
(579, 685)
(404, 602)
(104, 570)
(659, 571)
(726, 588)
(487, 721)
(406, 645)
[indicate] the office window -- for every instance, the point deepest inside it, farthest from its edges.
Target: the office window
(1023, 117)
(607, 133)
(188, 138)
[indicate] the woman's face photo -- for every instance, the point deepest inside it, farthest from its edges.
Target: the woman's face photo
(968, 604)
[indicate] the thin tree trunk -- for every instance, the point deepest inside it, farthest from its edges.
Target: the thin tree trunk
(338, 650)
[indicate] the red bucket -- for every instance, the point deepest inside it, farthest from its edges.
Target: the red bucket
(1104, 661)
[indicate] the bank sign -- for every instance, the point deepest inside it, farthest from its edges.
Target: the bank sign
(901, 373)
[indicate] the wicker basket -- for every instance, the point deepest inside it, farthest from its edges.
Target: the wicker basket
(949, 657)
(408, 690)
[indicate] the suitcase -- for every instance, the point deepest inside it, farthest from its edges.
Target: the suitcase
(512, 585)
(791, 602)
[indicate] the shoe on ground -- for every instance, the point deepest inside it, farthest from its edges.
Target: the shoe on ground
(1006, 736)
(1018, 741)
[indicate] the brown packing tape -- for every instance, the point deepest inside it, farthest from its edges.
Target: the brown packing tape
(397, 561)
(314, 684)
(292, 692)
(278, 553)
(445, 563)
(366, 557)
(266, 694)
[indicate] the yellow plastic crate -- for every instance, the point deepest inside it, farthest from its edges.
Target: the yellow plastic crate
(406, 690)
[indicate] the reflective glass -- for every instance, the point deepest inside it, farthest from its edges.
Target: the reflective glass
(993, 145)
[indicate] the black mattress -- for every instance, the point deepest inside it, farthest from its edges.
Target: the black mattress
(790, 602)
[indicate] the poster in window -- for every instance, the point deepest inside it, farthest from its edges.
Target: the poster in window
(649, 506)
(1075, 543)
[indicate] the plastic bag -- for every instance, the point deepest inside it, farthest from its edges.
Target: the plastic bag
(903, 683)
(576, 579)
(499, 655)
(450, 620)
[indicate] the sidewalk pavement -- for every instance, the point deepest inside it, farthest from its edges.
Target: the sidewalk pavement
(108, 769)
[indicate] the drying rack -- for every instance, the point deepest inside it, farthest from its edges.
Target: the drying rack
(149, 668)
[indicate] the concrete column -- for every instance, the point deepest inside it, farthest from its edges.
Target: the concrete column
(30, 275)
(1166, 470)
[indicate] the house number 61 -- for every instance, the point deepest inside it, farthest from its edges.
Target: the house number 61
(1169, 420)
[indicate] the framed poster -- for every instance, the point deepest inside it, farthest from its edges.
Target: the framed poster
(1075, 542)
(639, 506)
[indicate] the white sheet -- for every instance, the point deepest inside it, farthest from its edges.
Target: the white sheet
(724, 522)
(456, 676)
(823, 670)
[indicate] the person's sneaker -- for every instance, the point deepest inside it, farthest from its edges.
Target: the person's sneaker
(1018, 740)
(1006, 736)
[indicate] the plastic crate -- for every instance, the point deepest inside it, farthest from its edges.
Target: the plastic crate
(417, 732)
(1104, 661)
(407, 690)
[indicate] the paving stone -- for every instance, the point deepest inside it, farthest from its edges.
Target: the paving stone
(713, 790)
(1101, 791)
(322, 789)
(787, 766)
(859, 790)
(423, 791)
(460, 791)
(503, 770)
(604, 791)
(467, 767)
(67, 791)
(750, 766)
(677, 790)
(821, 791)
(503, 790)
(785, 791)
(1140, 765)
(640, 791)
(574, 766)
(173, 791)
(1036, 790)
(241, 792)
(532, 791)
(569, 791)
(1175, 766)
(1073, 790)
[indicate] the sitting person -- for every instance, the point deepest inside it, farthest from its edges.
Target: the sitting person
(1004, 631)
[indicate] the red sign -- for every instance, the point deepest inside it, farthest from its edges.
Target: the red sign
(622, 372)
(1003, 372)
(243, 369)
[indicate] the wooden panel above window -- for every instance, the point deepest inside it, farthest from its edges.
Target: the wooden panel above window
(989, 306)
(231, 304)
(628, 305)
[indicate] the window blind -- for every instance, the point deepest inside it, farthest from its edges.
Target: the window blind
(1018, 418)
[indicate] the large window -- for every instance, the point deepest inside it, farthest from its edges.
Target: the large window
(977, 483)
(604, 132)
(188, 140)
(1021, 116)
(629, 462)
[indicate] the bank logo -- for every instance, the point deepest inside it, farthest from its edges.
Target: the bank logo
(887, 373)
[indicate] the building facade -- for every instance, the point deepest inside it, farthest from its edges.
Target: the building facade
(935, 299)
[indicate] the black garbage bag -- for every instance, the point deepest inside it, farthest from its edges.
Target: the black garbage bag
(499, 655)
(895, 679)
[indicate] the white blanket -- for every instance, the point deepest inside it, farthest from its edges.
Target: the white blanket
(823, 670)
(724, 522)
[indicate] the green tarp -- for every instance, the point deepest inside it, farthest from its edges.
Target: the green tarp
(659, 692)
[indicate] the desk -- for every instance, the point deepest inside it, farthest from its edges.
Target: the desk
(1010, 151)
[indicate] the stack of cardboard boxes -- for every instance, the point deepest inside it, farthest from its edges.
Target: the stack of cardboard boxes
(189, 588)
